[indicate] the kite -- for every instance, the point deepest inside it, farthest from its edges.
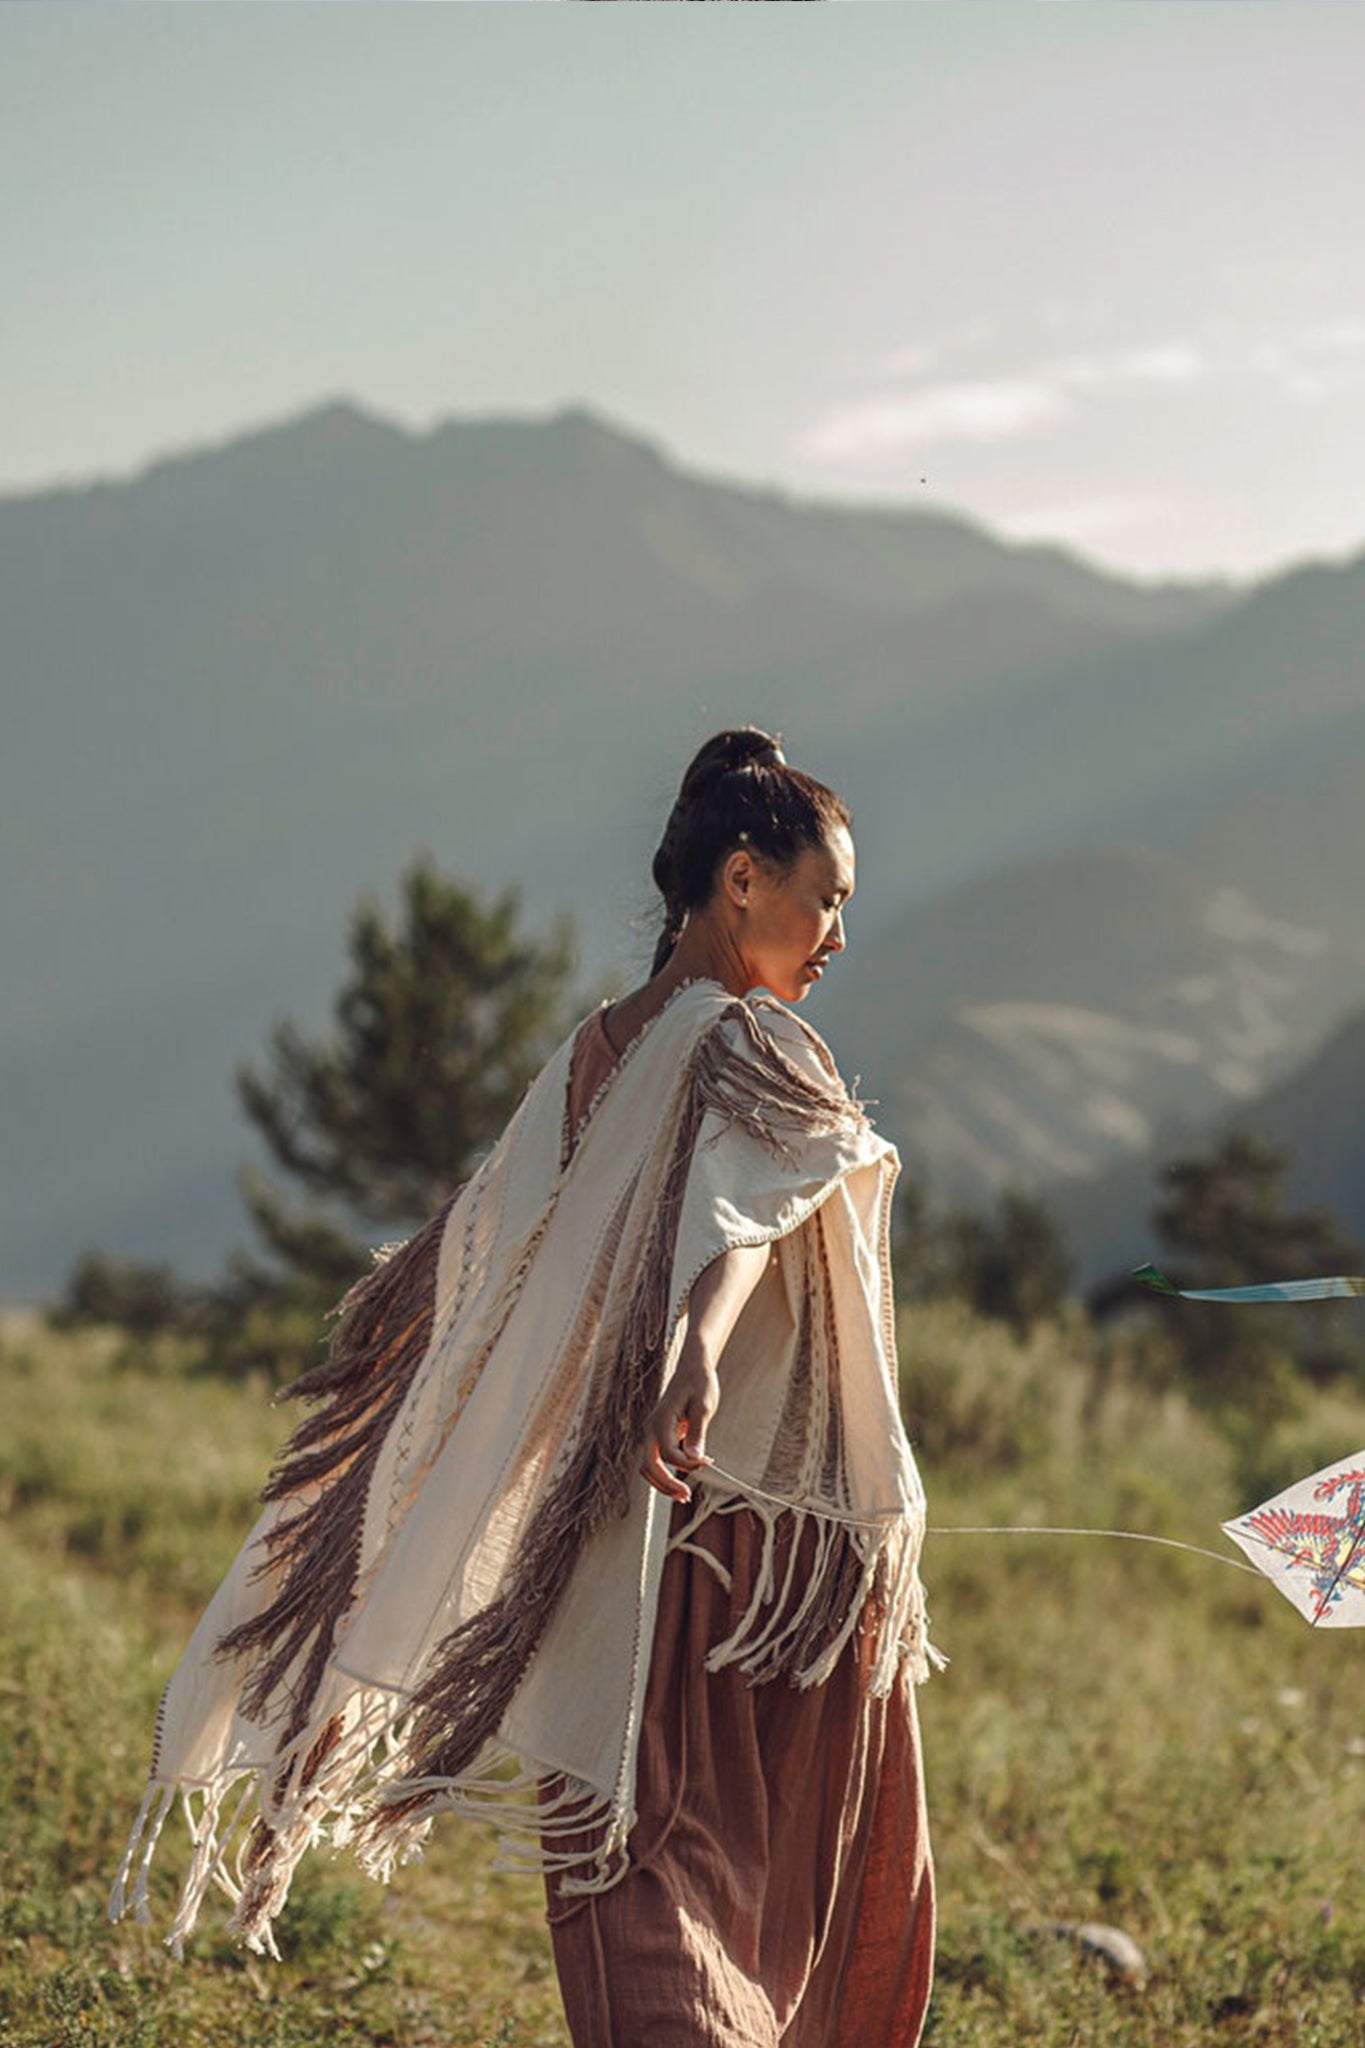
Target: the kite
(1316, 1557)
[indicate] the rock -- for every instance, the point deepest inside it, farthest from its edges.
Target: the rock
(1116, 1950)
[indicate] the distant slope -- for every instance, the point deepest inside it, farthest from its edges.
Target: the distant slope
(250, 682)
(1050, 1020)
(1314, 1113)
(1142, 740)
(1318, 1114)
(259, 675)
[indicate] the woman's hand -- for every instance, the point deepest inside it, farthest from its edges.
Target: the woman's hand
(675, 1435)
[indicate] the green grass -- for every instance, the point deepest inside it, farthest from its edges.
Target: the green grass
(1123, 1734)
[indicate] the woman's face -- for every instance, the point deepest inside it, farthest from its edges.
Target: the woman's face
(791, 921)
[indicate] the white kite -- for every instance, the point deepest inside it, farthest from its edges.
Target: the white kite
(1310, 1542)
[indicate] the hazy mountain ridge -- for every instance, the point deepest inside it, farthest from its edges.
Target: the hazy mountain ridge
(250, 682)
(1101, 995)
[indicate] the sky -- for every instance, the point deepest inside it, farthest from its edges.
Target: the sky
(1090, 272)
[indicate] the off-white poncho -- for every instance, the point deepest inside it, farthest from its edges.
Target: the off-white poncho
(449, 1597)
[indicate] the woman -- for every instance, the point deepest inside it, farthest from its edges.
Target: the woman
(698, 1720)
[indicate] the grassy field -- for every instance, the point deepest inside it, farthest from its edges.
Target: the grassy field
(1124, 1734)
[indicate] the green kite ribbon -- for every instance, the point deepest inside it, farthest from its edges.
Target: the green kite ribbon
(1340, 1287)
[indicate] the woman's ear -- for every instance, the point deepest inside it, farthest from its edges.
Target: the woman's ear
(736, 876)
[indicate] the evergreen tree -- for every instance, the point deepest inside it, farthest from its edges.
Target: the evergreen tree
(1226, 1218)
(446, 1015)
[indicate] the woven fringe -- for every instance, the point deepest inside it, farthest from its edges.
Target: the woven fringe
(574, 1832)
(136, 1866)
(858, 1578)
(382, 1336)
(761, 1091)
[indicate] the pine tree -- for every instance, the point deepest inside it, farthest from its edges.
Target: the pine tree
(447, 1013)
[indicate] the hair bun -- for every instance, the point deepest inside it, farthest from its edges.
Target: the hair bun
(745, 746)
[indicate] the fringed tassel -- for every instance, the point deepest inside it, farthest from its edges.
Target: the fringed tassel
(379, 1343)
(805, 1609)
(265, 1870)
(318, 1790)
(761, 1091)
(206, 1860)
(544, 1822)
(136, 1866)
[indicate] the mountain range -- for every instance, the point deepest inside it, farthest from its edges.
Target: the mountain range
(1105, 828)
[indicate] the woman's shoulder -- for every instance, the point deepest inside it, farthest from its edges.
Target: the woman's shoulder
(784, 1050)
(793, 1035)
(630, 1027)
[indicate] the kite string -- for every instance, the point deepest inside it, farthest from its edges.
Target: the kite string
(716, 1472)
(1123, 1535)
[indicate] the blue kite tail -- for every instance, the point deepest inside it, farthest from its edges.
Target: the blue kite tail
(1339, 1287)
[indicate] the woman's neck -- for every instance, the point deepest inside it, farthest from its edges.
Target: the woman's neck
(705, 952)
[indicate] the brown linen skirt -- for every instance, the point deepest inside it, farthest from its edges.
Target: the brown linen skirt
(781, 1888)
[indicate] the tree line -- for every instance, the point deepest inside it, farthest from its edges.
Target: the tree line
(448, 1010)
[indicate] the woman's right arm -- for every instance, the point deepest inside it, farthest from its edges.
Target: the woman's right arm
(676, 1433)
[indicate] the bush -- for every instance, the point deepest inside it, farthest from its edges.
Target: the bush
(1011, 1265)
(144, 1300)
(975, 1394)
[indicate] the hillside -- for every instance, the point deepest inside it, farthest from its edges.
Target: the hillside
(1313, 1113)
(1318, 1114)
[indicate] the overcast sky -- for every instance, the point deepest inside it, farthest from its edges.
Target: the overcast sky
(1092, 271)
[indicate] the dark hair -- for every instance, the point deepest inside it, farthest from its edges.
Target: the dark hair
(738, 791)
